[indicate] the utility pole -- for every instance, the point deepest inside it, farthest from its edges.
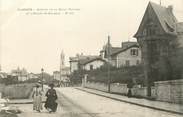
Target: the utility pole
(42, 70)
(149, 67)
(62, 59)
(108, 64)
(160, 2)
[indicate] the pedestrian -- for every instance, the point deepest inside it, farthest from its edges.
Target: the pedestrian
(51, 104)
(37, 98)
(129, 94)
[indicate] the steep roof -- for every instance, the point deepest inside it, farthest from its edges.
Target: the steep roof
(82, 57)
(165, 17)
(91, 59)
(114, 50)
(124, 49)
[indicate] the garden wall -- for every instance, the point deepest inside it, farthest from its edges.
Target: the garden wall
(169, 91)
(17, 91)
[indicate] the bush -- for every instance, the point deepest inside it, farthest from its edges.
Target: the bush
(76, 77)
(129, 75)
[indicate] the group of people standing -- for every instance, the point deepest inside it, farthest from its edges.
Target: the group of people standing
(50, 104)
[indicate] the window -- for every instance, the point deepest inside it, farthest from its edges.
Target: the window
(91, 67)
(144, 32)
(134, 52)
(138, 62)
(151, 28)
(127, 63)
(169, 27)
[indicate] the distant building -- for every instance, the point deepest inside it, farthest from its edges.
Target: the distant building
(56, 75)
(22, 74)
(91, 63)
(65, 72)
(3, 75)
(74, 61)
(32, 76)
(73, 64)
(128, 54)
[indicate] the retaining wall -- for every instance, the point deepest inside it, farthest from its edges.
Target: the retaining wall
(169, 91)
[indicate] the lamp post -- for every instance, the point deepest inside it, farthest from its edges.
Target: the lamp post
(42, 70)
(108, 64)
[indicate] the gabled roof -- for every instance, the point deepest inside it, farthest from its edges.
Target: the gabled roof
(124, 49)
(114, 50)
(79, 58)
(88, 60)
(165, 17)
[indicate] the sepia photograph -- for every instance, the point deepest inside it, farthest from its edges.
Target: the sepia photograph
(91, 58)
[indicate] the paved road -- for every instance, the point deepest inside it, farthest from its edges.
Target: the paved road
(76, 103)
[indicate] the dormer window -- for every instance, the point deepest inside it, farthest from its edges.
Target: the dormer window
(144, 32)
(169, 27)
(150, 29)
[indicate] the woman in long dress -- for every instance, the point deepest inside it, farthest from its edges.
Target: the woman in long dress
(51, 104)
(37, 98)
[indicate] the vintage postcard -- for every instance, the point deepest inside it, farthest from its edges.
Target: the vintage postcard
(91, 58)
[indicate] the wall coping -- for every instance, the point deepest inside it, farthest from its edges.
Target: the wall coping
(119, 84)
(170, 82)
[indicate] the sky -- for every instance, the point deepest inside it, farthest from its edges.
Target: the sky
(36, 41)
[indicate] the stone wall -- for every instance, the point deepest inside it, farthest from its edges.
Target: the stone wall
(119, 88)
(170, 91)
(115, 87)
(97, 86)
(2, 86)
(142, 92)
(16, 91)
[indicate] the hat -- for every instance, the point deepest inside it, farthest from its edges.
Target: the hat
(51, 85)
(37, 84)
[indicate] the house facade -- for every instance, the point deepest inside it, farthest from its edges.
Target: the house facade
(22, 74)
(91, 64)
(75, 62)
(65, 72)
(32, 76)
(56, 75)
(157, 34)
(128, 54)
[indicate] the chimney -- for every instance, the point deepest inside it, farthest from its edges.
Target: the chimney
(170, 8)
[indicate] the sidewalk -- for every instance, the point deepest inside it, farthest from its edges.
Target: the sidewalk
(27, 111)
(162, 106)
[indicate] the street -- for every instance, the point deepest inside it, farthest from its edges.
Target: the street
(76, 103)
